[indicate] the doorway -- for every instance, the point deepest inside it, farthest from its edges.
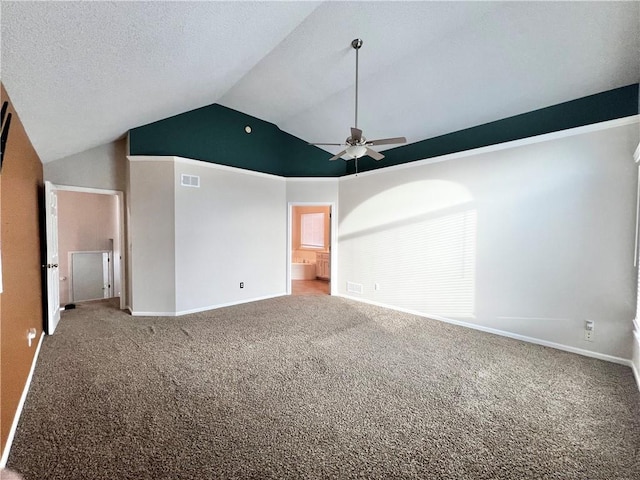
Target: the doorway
(90, 242)
(310, 265)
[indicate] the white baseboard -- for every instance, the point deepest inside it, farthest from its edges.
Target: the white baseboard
(203, 309)
(636, 374)
(636, 347)
(152, 314)
(503, 333)
(23, 397)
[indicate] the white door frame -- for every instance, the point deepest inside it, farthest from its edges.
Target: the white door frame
(121, 252)
(333, 255)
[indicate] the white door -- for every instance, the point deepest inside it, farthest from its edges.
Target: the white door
(53, 274)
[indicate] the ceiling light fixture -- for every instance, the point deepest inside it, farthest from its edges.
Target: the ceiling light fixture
(356, 151)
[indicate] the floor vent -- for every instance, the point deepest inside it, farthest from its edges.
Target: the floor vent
(354, 287)
(190, 180)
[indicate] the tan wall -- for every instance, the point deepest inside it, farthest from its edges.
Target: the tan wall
(21, 299)
(86, 222)
(100, 167)
(298, 252)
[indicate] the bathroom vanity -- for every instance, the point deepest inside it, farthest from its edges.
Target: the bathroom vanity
(322, 265)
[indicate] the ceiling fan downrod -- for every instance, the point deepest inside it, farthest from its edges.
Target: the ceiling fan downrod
(356, 144)
(356, 44)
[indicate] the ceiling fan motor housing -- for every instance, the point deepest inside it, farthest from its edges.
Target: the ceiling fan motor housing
(352, 141)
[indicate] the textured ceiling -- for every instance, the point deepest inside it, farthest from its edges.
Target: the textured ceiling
(83, 73)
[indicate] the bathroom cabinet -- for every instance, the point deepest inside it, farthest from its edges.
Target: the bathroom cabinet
(322, 265)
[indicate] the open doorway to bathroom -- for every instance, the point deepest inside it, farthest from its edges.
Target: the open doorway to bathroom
(310, 249)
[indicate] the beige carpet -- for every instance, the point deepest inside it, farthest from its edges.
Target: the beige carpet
(317, 387)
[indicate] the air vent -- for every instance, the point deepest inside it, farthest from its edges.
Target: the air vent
(190, 180)
(354, 287)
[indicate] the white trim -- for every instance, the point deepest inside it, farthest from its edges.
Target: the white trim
(619, 122)
(635, 247)
(150, 158)
(636, 374)
(636, 154)
(636, 346)
(312, 179)
(503, 333)
(204, 309)
(99, 191)
(23, 397)
(153, 314)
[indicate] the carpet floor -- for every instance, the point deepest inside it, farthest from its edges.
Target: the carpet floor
(317, 387)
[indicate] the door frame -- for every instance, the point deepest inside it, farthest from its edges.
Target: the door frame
(333, 241)
(121, 252)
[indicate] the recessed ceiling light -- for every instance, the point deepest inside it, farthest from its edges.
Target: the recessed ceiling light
(247, 129)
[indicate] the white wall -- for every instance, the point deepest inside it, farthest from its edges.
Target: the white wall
(230, 230)
(312, 190)
(152, 237)
(191, 247)
(100, 167)
(532, 240)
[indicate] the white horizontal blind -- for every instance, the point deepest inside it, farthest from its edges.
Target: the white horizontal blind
(312, 230)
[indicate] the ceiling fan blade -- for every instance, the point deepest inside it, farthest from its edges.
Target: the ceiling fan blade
(337, 144)
(387, 141)
(356, 134)
(337, 155)
(375, 155)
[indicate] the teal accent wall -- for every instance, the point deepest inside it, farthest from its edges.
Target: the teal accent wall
(216, 134)
(618, 103)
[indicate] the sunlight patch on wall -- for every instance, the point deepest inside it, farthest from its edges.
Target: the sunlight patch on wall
(422, 257)
(403, 202)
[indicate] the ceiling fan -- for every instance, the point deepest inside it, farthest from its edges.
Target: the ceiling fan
(357, 145)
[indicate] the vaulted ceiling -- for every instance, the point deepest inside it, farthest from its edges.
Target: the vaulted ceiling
(82, 74)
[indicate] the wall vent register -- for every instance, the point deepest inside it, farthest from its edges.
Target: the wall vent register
(353, 287)
(190, 180)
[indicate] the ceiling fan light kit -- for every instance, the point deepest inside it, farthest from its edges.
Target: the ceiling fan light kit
(357, 145)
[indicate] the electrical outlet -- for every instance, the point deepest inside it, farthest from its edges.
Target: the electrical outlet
(241, 284)
(31, 335)
(376, 286)
(589, 330)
